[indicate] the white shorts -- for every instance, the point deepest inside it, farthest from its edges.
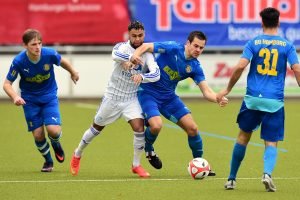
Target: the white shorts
(111, 110)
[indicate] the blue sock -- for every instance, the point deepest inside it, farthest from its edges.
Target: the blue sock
(44, 149)
(196, 145)
(270, 157)
(55, 140)
(238, 155)
(150, 139)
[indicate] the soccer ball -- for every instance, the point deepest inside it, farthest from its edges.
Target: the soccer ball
(198, 168)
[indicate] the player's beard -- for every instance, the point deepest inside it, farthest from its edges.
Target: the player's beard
(136, 45)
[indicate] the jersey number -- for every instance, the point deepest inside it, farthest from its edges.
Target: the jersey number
(270, 63)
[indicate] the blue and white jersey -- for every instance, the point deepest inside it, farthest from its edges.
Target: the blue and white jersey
(174, 67)
(120, 86)
(269, 56)
(37, 79)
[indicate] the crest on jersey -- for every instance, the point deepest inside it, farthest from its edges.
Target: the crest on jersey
(46, 67)
(188, 69)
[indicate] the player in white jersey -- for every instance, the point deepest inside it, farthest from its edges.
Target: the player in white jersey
(120, 98)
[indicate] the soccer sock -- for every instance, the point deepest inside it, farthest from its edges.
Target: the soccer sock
(270, 157)
(87, 137)
(238, 155)
(138, 145)
(55, 140)
(44, 149)
(150, 139)
(196, 145)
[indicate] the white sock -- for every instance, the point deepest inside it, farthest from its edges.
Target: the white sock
(138, 145)
(87, 137)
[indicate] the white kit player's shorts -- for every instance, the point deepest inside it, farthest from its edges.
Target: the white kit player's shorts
(111, 110)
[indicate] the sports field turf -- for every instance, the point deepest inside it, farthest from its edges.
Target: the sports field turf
(105, 167)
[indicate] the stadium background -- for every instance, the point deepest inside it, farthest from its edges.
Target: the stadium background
(86, 30)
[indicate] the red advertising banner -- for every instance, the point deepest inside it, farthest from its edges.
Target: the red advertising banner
(65, 21)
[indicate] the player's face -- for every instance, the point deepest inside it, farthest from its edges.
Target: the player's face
(34, 47)
(195, 48)
(136, 37)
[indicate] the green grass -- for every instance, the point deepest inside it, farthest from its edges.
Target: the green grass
(105, 166)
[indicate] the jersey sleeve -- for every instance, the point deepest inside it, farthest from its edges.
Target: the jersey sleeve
(56, 58)
(247, 52)
(120, 53)
(292, 56)
(198, 75)
(153, 74)
(13, 72)
(165, 47)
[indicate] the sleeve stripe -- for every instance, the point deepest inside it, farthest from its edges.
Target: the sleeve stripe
(121, 55)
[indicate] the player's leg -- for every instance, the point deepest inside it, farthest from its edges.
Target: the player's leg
(153, 122)
(52, 120)
(272, 131)
(43, 147)
(132, 113)
(107, 113)
(249, 121)
(35, 125)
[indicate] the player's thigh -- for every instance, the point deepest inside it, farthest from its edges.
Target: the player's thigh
(272, 127)
(51, 113)
(33, 115)
(132, 110)
(149, 105)
(108, 112)
(249, 120)
(174, 109)
(188, 124)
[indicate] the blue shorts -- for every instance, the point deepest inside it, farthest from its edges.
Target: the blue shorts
(39, 113)
(171, 108)
(272, 124)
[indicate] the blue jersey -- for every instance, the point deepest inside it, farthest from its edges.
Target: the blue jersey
(37, 79)
(269, 56)
(174, 67)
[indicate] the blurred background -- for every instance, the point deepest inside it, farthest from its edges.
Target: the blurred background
(85, 32)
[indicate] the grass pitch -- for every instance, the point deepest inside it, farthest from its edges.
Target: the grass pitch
(105, 166)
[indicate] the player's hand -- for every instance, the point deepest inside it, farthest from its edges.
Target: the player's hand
(137, 78)
(127, 65)
(75, 77)
(137, 60)
(18, 101)
(223, 102)
(221, 95)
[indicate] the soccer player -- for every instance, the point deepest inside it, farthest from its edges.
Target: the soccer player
(263, 103)
(38, 87)
(120, 98)
(176, 62)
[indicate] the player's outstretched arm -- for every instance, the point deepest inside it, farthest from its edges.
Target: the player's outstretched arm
(67, 66)
(236, 74)
(296, 70)
(210, 95)
(136, 56)
(7, 87)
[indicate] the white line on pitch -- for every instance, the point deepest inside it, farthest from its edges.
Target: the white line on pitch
(131, 180)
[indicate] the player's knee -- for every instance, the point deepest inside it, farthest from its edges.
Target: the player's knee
(192, 130)
(155, 128)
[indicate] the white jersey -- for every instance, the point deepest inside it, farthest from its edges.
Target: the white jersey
(120, 86)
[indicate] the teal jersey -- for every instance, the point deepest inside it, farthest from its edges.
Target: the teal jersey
(269, 56)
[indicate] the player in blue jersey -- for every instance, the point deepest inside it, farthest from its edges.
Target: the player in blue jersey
(176, 62)
(263, 103)
(38, 89)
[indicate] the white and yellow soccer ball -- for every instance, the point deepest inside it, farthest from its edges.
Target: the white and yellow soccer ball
(198, 168)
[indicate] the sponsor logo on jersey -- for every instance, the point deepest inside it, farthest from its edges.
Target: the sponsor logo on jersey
(38, 78)
(173, 75)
